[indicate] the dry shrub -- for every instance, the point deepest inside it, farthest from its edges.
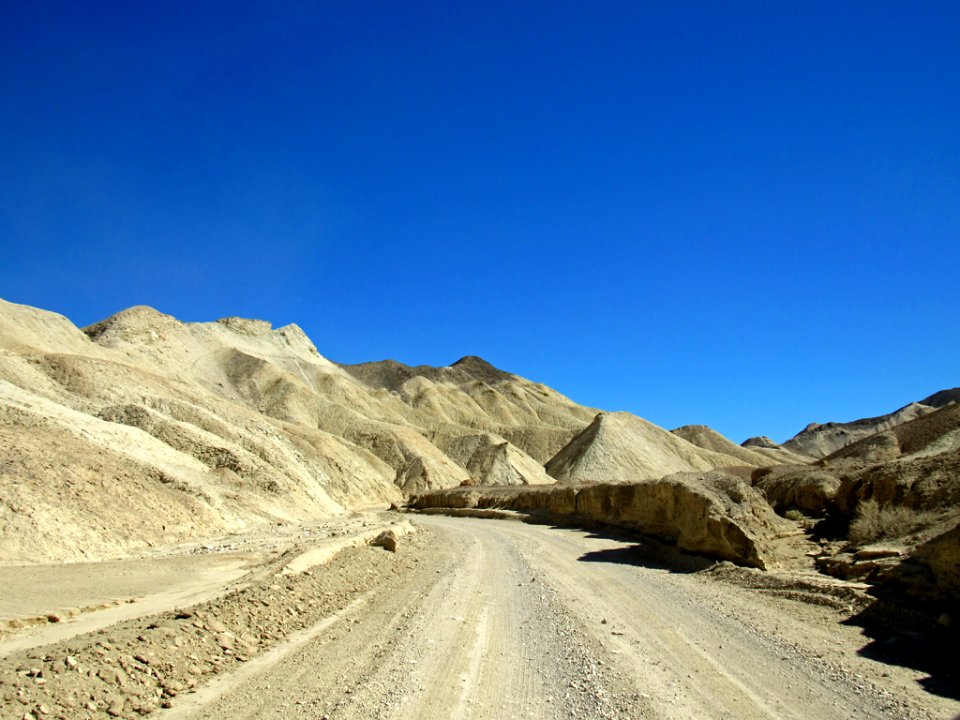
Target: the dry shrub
(873, 522)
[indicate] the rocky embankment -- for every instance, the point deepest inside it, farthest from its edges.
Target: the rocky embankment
(714, 514)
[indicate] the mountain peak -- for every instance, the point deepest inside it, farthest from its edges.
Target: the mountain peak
(480, 369)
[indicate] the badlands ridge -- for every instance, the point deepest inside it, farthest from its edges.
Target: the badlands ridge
(143, 431)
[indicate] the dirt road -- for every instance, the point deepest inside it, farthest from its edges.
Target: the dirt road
(499, 619)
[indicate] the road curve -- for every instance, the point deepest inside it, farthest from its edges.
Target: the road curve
(506, 620)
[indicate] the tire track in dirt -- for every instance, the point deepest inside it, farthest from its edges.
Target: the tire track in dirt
(472, 634)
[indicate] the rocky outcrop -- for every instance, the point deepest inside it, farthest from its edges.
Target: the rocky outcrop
(932, 570)
(713, 514)
(923, 483)
(797, 487)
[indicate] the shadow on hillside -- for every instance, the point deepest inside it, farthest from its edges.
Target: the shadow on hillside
(899, 636)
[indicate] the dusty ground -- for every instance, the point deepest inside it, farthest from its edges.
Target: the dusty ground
(468, 619)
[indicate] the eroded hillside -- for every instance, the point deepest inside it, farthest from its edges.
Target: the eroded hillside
(143, 430)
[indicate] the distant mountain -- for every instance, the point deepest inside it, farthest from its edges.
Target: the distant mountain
(944, 397)
(930, 434)
(818, 440)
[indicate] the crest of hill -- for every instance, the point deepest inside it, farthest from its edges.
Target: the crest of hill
(931, 434)
(819, 441)
(473, 394)
(761, 441)
(25, 329)
(154, 339)
(767, 447)
(621, 447)
(709, 439)
(944, 397)
(391, 375)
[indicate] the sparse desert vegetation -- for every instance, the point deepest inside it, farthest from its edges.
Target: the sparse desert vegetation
(872, 521)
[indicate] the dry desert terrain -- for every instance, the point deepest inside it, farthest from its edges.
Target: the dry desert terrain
(212, 520)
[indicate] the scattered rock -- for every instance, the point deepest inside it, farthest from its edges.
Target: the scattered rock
(387, 540)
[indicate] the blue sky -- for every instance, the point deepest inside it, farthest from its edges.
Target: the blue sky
(742, 214)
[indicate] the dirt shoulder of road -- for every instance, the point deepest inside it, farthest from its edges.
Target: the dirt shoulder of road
(133, 667)
(472, 614)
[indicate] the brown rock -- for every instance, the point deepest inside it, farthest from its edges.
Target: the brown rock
(387, 540)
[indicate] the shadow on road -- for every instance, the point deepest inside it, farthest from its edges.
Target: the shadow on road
(900, 636)
(650, 554)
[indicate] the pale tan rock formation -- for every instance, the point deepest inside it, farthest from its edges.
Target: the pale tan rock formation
(714, 514)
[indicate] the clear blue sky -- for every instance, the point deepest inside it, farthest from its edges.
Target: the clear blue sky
(744, 214)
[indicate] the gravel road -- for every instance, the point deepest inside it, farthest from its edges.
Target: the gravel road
(497, 619)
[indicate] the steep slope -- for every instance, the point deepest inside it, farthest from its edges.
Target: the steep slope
(116, 443)
(931, 434)
(821, 440)
(944, 397)
(620, 447)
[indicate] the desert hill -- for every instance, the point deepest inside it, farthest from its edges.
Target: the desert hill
(107, 449)
(759, 455)
(473, 393)
(930, 434)
(620, 447)
(820, 440)
(141, 429)
(941, 398)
